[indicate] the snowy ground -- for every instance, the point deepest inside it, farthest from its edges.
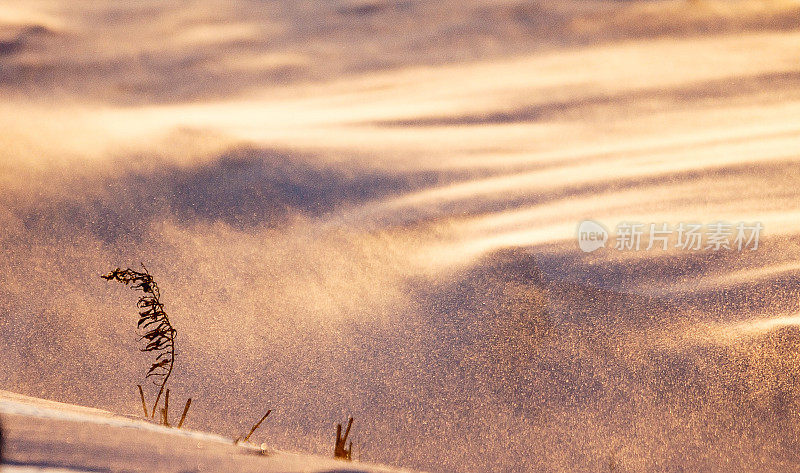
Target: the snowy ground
(47, 436)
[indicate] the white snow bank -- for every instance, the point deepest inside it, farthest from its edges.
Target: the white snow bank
(53, 437)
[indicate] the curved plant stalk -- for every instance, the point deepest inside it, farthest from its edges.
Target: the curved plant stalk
(158, 332)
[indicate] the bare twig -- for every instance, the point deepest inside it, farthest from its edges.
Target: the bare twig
(257, 424)
(185, 410)
(341, 449)
(144, 404)
(165, 410)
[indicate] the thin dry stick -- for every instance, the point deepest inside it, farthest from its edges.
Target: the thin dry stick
(166, 409)
(256, 426)
(341, 450)
(144, 404)
(169, 372)
(347, 432)
(185, 410)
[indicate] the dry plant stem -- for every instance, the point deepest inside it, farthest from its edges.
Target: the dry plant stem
(164, 382)
(347, 432)
(159, 333)
(165, 410)
(185, 410)
(256, 426)
(144, 404)
(341, 450)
